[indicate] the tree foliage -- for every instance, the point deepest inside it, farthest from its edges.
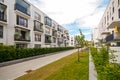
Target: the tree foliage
(80, 39)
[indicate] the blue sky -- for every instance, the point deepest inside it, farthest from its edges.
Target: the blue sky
(87, 30)
(74, 14)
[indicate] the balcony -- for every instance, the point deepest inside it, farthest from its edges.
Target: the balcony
(114, 24)
(54, 33)
(47, 39)
(48, 21)
(53, 40)
(60, 40)
(3, 13)
(109, 38)
(22, 6)
(38, 26)
(21, 35)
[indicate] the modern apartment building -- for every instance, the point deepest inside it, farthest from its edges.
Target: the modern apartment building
(109, 26)
(25, 26)
(72, 41)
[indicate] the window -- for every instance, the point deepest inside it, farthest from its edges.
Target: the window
(119, 13)
(47, 39)
(118, 2)
(113, 7)
(47, 30)
(110, 11)
(22, 21)
(105, 19)
(1, 31)
(37, 16)
(48, 21)
(37, 37)
(21, 45)
(1, 0)
(54, 25)
(22, 6)
(113, 10)
(107, 16)
(3, 12)
(37, 45)
(38, 26)
(112, 18)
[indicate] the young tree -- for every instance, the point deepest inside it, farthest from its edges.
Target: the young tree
(81, 39)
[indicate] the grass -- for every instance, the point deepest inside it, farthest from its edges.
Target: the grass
(67, 68)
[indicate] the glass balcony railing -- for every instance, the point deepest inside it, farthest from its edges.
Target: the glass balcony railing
(110, 38)
(2, 19)
(17, 38)
(22, 36)
(47, 39)
(22, 9)
(40, 30)
(38, 26)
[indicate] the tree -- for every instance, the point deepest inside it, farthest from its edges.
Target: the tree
(81, 39)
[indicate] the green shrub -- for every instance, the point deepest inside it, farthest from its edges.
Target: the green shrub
(105, 70)
(8, 53)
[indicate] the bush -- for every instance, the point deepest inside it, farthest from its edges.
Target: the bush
(105, 70)
(8, 53)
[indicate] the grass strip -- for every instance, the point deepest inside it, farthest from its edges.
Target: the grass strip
(67, 68)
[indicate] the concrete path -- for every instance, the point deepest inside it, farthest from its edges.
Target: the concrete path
(92, 72)
(13, 71)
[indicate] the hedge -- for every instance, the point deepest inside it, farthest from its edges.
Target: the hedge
(8, 53)
(105, 69)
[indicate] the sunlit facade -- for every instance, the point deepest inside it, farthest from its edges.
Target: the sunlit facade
(25, 26)
(109, 26)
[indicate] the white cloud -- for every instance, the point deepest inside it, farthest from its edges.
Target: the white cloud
(83, 12)
(91, 20)
(67, 11)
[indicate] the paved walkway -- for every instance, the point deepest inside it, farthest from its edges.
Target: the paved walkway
(13, 71)
(92, 72)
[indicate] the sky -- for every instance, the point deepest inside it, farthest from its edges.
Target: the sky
(74, 14)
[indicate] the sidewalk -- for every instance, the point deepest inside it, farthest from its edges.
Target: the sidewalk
(92, 72)
(13, 71)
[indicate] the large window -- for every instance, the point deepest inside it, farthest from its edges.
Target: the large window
(37, 16)
(38, 26)
(21, 45)
(22, 21)
(47, 39)
(3, 12)
(1, 31)
(37, 45)
(22, 6)
(48, 21)
(37, 37)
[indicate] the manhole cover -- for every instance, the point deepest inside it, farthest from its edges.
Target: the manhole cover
(28, 71)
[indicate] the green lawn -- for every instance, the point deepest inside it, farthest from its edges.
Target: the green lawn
(67, 68)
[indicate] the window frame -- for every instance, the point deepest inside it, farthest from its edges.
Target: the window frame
(1, 31)
(22, 21)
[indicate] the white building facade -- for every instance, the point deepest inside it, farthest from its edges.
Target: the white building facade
(25, 26)
(109, 26)
(72, 41)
